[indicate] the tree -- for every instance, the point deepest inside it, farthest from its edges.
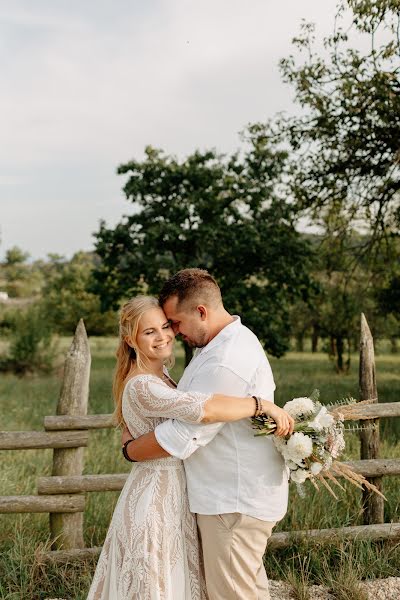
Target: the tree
(17, 277)
(344, 154)
(221, 213)
(66, 297)
(346, 144)
(388, 299)
(15, 256)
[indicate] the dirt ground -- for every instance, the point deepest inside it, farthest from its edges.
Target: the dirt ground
(378, 589)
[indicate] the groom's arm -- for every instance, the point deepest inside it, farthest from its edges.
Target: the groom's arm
(182, 439)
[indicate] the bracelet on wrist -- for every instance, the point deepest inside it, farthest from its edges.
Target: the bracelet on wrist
(258, 407)
(125, 451)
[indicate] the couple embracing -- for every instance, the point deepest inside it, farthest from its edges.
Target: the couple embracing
(195, 514)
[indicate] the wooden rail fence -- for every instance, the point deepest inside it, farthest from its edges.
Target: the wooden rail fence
(63, 494)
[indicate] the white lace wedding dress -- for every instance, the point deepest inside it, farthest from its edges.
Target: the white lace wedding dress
(151, 551)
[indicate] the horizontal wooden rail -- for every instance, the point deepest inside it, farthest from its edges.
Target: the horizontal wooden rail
(376, 411)
(69, 556)
(62, 422)
(82, 483)
(375, 467)
(115, 481)
(42, 504)
(387, 531)
(24, 440)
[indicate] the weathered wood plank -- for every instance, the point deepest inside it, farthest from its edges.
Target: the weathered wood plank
(375, 467)
(65, 422)
(372, 503)
(69, 556)
(386, 531)
(115, 481)
(66, 529)
(82, 483)
(376, 411)
(24, 440)
(61, 422)
(42, 504)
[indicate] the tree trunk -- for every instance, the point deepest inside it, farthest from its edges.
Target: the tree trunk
(393, 345)
(300, 342)
(348, 361)
(314, 338)
(339, 353)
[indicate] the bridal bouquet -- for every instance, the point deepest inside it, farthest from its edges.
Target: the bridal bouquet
(317, 440)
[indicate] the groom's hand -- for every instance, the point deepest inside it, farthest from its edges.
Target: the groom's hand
(284, 422)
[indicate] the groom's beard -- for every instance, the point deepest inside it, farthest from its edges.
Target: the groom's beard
(197, 340)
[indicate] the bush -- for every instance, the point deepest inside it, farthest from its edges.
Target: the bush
(32, 347)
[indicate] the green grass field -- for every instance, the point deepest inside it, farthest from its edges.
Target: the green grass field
(24, 403)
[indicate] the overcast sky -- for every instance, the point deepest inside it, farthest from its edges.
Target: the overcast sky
(86, 84)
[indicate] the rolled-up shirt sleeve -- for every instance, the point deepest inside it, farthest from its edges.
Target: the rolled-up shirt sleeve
(182, 439)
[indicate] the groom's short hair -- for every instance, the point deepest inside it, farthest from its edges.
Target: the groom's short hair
(192, 286)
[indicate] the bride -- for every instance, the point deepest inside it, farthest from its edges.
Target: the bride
(151, 551)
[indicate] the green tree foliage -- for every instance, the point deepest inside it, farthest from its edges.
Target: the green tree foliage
(66, 299)
(346, 143)
(18, 278)
(388, 303)
(226, 214)
(16, 256)
(389, 296)
(344, 152)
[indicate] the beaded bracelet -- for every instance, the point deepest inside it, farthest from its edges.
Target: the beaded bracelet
(125, 452)
(258, 411)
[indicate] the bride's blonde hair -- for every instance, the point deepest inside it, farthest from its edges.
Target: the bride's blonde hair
(129, 356)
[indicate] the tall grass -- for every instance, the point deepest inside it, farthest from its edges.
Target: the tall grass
(24, 403)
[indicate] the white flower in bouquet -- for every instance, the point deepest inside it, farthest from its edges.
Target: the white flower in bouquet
(299, 406)
(291, 465)
(316, 468)
(280, 443)
(322, 420)
(298, 446)
(299, 476)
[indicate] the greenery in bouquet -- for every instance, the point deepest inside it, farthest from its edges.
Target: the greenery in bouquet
(310, 452)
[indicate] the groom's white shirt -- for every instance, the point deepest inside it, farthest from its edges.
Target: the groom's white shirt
(227, 468)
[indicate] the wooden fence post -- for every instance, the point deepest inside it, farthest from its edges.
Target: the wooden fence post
(67, 529)
(372, 503)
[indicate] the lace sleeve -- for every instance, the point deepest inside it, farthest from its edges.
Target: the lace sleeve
(156, 399)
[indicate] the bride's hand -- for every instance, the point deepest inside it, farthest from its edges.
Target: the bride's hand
(284, 422)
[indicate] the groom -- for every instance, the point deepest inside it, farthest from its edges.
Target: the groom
(237, 484)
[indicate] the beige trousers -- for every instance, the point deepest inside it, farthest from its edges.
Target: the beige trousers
(233, 549)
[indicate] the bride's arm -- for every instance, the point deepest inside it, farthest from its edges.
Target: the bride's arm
(146, 447)
(156, 399)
